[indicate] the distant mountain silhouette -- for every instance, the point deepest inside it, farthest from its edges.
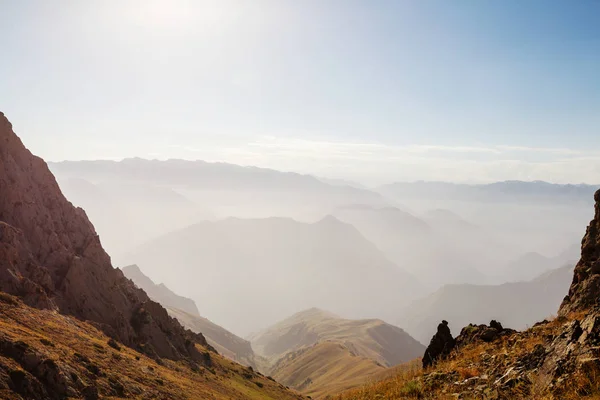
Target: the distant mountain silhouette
(129, 214)
(186, 312)
(508, 191)
(248, 274)
(515, 304)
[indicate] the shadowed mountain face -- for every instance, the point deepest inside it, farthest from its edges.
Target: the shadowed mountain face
(517, 305)
(186, 312)
(50, 256)
(248, 274)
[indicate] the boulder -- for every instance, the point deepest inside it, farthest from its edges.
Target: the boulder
(440, 346)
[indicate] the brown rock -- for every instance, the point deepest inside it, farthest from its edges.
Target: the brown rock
(51, 257)
(585, 288)
(442, 343)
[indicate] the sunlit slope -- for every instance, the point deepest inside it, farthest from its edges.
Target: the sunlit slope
(44, 354)
(325, 368)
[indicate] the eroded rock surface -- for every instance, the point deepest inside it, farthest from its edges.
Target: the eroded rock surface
(52, 258)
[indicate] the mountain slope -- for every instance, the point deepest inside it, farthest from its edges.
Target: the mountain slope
(45, 355)
(436, 249)
(373, 339)
(160, 293)
(261, 271)
(319, 353)
(186, 312)
(464, 304)
(325, 368)
(556, 359)
(52, 260)
(225, 342)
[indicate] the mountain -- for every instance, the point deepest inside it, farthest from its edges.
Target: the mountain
(508, 191)
(318, 353)
(439, 248)
(46, 355)
(54, 275)
(325, 368)
(250, 273)
(373, 339)
(461, 304)
(186, 312)
(127, 214)
(532, 264)
(160, 293)
(226, 343)
(555, 358)
(224, 189)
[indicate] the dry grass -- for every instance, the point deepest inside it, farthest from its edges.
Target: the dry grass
(84, 352)
(449, 378)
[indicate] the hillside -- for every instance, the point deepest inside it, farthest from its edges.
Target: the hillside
(464, 304)
(373, 339)
(186, 312)
(319, 353)
(45, 355)
(554, 359)
(52, 261)
(325, 368)
(160, 293)
(249, 263)
(225, 342)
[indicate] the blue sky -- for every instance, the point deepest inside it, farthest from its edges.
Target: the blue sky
(461, 90)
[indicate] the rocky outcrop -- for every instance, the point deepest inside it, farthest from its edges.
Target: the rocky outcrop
(52, 258)
(482, 333)
(442, 343)
(585, 289)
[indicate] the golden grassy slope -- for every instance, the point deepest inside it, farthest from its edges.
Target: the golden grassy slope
(82, 350)
(325, 368)
(373, 339)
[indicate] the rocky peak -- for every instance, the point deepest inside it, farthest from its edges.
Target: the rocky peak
(585, 288)
(51, 257)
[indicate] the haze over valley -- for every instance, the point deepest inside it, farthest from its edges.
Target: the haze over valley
(285, 200)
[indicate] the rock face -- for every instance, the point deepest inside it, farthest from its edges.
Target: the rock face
(51, 257)
(442, 343)
(585, 289)
(482, 333)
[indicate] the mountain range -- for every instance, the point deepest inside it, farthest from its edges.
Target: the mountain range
(235, 268)
(516, 304)
(72, 326)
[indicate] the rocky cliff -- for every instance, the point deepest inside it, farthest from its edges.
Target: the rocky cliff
(52, 258)
(585, 289)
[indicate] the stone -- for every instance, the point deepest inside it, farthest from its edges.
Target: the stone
(442, 343)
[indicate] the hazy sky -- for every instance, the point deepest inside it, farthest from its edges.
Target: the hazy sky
(372, 90)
